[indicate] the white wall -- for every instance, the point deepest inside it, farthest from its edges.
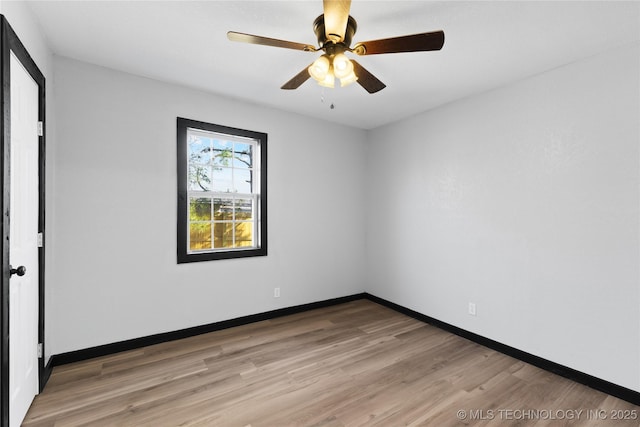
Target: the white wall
(116, 275)
(25, 26)
(524, 200)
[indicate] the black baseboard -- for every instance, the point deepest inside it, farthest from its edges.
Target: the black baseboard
(564, 371)
(46, 374)
(132, 344)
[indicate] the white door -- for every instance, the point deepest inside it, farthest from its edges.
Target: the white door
(23, 216)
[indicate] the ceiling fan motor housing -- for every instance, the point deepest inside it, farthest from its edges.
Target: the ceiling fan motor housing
(324, 41)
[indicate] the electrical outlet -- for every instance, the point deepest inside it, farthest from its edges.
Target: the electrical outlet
(276, 292)
(472, 308)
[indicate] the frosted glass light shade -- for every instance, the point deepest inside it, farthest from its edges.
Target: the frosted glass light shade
(328, 81)
(342, 67)
(319, 69)
(347, 80)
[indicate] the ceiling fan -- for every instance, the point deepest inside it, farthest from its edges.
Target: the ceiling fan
(334, 30)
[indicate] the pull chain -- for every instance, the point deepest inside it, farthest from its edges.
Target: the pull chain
(332, 105)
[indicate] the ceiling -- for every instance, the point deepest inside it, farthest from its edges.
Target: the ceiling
(487, 45)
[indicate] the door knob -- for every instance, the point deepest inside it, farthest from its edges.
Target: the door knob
(20, 271)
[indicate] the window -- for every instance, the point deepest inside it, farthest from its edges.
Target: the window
(222, 192)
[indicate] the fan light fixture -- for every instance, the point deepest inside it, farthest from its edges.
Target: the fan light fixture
(325, 69)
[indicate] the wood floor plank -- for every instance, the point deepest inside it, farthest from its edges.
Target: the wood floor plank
(354, 364)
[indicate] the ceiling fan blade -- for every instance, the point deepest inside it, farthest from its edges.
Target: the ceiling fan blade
(336, 15)
(266, 41)
(297, 80)
(413, 43)
(366, 79)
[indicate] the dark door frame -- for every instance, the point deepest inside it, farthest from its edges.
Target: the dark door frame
(9, 42)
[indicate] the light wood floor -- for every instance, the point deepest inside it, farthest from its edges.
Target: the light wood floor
(355, 364)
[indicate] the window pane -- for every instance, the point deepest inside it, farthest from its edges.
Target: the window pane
(199, 177)
(244, 234)
(222, 180)
(199, 150)
(200, 235)
(244, 209)
(223, 209)
(242, 180)
(200, 210)
(242, 155)
(222, 151)
(223, 235)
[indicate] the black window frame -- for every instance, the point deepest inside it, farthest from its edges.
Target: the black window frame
(183, 125)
